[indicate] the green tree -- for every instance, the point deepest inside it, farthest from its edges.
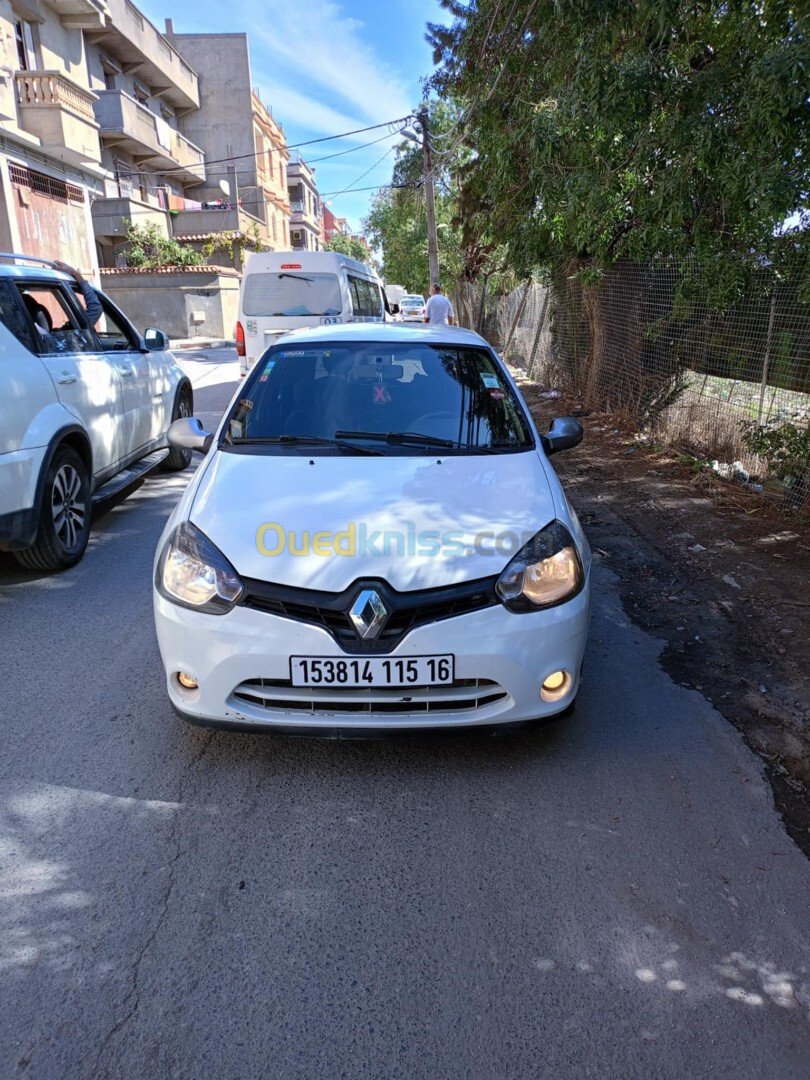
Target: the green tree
(605, 129)
(654, 131)
(348, 245)
(150, 247)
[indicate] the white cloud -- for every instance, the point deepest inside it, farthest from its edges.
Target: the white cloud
(320, 47)
(291, 107)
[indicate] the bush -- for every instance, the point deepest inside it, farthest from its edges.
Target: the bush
(149, 247)
(786, 449)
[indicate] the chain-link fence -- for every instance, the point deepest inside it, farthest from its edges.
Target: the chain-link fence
(644, 347)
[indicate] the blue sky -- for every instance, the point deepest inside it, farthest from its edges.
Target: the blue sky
(326, 66)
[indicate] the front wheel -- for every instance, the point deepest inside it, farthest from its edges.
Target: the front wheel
(64, 515)
(178, 458)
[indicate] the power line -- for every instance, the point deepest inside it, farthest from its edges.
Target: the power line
(290, 146)
(373, 187)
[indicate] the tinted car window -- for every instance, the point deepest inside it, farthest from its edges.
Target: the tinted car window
(366, 300)
(448, 393)
(13, 316)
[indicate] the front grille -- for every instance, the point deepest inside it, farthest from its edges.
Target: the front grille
(279, 695)
(407, 610)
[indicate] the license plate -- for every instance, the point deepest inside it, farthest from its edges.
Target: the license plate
(371, 671)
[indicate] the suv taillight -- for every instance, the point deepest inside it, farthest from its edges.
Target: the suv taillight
(240, 340)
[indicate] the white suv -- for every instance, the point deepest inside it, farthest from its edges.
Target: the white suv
(84, 412)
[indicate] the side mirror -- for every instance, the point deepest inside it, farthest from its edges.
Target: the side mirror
(395, 309)
(155, 340)
(564, 433)
(187, 433)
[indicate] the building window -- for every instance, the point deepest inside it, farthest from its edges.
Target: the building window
(270, 162)
(140, 95)
(26, 53)
(275, 231)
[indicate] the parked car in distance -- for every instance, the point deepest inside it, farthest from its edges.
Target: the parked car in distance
(84, 411)
(412, 308)
(375, 541)
(284, 290)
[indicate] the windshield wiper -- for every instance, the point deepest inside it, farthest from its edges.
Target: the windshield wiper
(398, 438)
(289, 440)
(298, 277)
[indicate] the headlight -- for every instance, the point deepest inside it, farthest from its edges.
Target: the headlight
(545, 572)
(194, 573)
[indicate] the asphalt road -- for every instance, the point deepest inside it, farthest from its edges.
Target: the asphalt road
(613, 896)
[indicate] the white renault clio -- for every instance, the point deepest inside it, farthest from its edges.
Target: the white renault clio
(375, 541)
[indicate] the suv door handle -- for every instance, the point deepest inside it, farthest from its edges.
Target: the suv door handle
(65, 379)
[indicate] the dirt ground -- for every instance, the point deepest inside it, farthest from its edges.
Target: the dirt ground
(717, 572)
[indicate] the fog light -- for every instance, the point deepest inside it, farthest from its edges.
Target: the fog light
(186, 680)
(553, 682)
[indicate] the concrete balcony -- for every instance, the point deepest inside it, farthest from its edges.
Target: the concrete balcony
(129, 126)
(141, 49)
(110, 217)
(80, 14)
(59, 112)
(198, 223)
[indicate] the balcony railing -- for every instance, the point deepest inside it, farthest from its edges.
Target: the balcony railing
(53, 88)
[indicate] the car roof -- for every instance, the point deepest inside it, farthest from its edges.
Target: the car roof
(393, 333)
(39, 273)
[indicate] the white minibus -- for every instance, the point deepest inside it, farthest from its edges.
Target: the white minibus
(282, 290)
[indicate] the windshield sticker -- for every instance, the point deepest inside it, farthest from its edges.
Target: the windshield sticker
(497, 395)
(490, 381)
(268, 367)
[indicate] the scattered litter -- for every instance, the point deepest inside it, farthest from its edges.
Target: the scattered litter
(697, 637)
(632, 450)
(680, 627)
(600, 551)
(729, 580)
(684, 536)
(758, 488)
(696, 548)
(551, 394)
(734, 471)
(762, 689)
(615, 431)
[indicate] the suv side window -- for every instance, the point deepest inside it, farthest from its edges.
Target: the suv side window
(58, 326)
(14, 317)
(112, 331)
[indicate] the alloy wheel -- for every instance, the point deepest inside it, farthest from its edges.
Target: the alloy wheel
(68, 507)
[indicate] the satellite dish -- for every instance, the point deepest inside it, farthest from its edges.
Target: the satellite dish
(225, 187)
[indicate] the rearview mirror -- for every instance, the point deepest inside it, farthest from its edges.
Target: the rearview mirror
(187, 433)
(564, 433)
(155, 340)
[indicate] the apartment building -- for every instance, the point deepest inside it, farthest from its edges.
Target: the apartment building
(90, 97)
(50, 151)
(246, 146)
(306, 227)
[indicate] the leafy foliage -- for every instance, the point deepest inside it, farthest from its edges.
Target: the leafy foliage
(348, 245)
(786, 449)
(150, 247)
(664, 128)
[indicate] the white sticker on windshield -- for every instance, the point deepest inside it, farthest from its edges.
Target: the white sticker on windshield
(491, 382)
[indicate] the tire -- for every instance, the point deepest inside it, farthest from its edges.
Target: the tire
(64, 515)
(179, 458)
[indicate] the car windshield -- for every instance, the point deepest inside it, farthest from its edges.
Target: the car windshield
(289, 293)
(413, 301)
(395, 397)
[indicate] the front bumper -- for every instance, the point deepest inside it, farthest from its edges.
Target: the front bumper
(241, 664)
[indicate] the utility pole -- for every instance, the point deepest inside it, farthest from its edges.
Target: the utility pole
(430, 205)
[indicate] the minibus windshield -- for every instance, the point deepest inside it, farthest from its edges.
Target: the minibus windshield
(286, 294)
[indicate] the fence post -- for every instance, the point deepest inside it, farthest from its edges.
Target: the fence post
(767, 360)
(537, 333)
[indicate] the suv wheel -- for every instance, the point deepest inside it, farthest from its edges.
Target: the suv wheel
(179, 458)
(64, 515)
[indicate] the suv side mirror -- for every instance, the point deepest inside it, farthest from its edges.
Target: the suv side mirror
(395, 309)
(189, 434)
(155, 340)
(564, 433)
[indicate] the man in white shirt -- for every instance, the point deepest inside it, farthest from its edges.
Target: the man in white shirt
(438, 308)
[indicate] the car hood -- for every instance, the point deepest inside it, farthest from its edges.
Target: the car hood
(282, 501)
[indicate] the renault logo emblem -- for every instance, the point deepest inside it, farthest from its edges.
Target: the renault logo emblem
(368, 614)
